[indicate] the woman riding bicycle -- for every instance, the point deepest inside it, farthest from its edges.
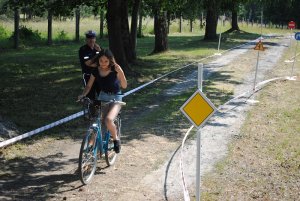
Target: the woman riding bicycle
(110, 78)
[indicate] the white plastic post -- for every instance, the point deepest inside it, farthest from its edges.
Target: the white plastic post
(256, 69)
(198, 192)
(220, 36)
(219, 40)
(294, 60)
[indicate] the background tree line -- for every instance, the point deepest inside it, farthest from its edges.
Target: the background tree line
(122, 37)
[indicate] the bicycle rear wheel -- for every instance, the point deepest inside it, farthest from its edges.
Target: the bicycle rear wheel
(88, 157)
(110, 154)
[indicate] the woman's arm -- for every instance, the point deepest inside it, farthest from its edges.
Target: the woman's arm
(91, 63)
(121, 76)
(87, 87)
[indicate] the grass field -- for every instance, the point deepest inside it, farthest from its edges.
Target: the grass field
(68, 26)
(39, 84)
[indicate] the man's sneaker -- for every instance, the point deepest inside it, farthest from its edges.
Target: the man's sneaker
(117, 146)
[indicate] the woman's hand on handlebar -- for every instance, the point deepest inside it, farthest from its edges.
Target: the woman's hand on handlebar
(80, 97)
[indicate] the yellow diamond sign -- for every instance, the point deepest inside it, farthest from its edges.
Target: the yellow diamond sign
(198, 109)
(259, 46)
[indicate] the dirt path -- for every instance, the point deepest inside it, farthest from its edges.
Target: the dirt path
(148, 166)
(225, 125)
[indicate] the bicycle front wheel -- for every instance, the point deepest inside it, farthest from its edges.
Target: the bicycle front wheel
(88, 157)
(110, 154)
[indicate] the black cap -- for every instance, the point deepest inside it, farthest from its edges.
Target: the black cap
(90, 34)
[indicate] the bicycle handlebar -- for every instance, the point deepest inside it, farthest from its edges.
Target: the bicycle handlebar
(118, 102)
(84, 99)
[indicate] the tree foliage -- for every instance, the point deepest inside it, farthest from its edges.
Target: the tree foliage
(191, 9)
(277, 12)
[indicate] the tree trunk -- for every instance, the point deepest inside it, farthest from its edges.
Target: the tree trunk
(211, 21)
(201, 21)
(180, 23)
(140, 32)
(30, 15)
(234, 19)
(168, 22)
(101, 23)
(134, 22)
(49, 27)
(77, 22)
(16, 35)
(191, 25)
(160, 31)
(113, 17)
(127, 44)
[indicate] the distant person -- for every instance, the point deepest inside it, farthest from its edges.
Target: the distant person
(88, 52)
(109, 78)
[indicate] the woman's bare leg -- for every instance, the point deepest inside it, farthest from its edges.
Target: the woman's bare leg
(109, 120)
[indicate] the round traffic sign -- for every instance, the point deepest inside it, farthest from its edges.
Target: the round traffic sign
(292, 25)
(297, 36)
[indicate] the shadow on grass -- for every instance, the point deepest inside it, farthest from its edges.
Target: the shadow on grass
(46, 80)
(20, 178)
(42, 83)
(154, 112)
(194, 42)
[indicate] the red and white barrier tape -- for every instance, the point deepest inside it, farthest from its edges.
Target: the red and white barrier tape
(38, 130)
(184, 186)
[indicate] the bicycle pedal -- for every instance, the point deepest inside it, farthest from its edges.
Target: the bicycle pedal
(89, 149)
(100, 155)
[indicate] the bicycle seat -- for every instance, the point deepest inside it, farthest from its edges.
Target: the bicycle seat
(104, 103)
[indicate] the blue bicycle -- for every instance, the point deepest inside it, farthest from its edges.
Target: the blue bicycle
(97, 143)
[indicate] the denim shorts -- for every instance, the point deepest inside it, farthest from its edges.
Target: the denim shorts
(109, 97)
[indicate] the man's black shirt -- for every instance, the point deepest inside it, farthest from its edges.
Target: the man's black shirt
(86, 53)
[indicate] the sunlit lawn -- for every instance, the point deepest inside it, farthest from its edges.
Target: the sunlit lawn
(39, 84)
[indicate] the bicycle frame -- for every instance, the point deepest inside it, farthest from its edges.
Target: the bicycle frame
(101, 140)
(101, 144)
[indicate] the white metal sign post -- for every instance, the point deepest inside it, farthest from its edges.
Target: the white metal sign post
(258, 47)
(198, 162)
(200, 76)
(291, 26)
(220, 36)
(198, 109)
(256, 69)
